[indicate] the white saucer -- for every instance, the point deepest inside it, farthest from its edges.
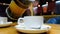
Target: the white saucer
(7, 24)
(44, 28)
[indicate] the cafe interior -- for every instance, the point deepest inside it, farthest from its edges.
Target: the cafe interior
(29, 16)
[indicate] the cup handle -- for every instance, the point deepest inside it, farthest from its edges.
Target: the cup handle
(20, 20)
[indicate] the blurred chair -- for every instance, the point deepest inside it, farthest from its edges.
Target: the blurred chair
(55, 20)
(58, 19)
(52, 21)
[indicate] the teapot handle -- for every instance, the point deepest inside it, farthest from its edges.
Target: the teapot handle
(20, 20)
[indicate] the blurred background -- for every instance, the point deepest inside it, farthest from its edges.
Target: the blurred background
(50, 9)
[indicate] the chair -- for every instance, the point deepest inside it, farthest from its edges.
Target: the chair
(52, 21)
(55, 20)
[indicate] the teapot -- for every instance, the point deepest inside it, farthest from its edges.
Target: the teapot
(18, 7)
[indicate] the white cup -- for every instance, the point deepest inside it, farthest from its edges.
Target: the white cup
(3, 20)
(31, 21)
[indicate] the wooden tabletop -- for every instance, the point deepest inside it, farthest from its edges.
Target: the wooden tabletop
(11, 30)
(55, 29)
(8, 30)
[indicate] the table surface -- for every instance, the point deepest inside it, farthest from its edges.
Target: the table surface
(55, 29)
(11, 30)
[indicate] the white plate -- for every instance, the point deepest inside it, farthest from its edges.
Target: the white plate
(44, 28)
(7, 24)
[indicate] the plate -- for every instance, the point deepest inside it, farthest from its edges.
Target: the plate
(44, 28)
(7, 24)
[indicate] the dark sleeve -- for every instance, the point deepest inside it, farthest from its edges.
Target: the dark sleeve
(5, 1)
(57, 8)
(41, 2)
(2, 10)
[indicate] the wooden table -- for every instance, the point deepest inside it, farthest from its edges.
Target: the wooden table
(8, 30)
(11, 30)
(55, 29)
